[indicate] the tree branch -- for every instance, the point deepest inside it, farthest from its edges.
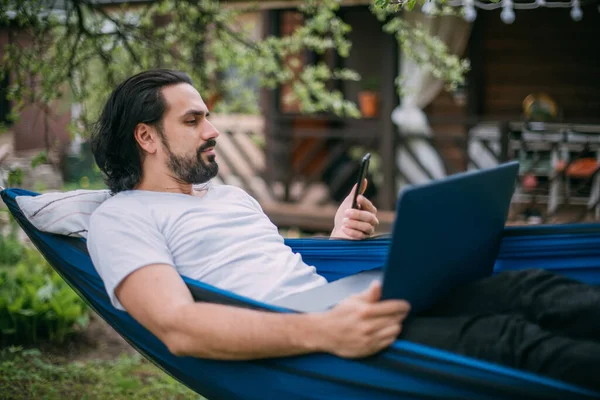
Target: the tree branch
(236, 36)
(123, 37)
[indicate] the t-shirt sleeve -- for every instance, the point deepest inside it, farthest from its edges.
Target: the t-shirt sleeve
(254, 202)
(122, 240)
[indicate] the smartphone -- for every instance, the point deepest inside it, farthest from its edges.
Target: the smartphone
(362, 174)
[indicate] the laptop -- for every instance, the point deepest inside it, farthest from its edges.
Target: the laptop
(446, 233)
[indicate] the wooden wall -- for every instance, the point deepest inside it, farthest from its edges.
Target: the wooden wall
(544, 50)
(369, 45)
(36, 126)
(446, 118)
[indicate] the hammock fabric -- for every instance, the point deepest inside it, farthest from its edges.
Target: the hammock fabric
(403, 371)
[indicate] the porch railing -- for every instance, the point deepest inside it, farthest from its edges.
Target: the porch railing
(547, 152)
(314, 168)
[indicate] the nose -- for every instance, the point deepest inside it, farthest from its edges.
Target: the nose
(209, 131)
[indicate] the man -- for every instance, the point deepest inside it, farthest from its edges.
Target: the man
(154, 143)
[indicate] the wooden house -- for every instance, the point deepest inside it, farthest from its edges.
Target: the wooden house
(317, 148)
(309, 162)
(544, 51)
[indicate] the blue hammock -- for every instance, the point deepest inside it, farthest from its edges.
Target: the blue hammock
(404, 371)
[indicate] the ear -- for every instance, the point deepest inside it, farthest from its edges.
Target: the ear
(147, 137)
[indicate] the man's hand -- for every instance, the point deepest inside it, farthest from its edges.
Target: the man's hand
(355, 224)
(362, 325)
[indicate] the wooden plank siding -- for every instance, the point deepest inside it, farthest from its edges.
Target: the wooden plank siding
(449, 137)
(543, 51)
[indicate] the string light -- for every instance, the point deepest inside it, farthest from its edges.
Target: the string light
(508, 7)
(576, 12)
(428, 7)
(470, 13)
(507, 15)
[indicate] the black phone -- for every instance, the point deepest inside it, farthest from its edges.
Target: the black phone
(362, 174)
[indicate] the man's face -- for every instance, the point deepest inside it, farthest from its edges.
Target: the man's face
(188, 137)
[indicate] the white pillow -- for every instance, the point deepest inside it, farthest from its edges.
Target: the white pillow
(63, 213)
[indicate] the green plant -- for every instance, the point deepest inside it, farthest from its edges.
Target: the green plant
(35, 302)
(15, 177)
(3, 128)
(11, 250)
(91, 48)
(39, 159)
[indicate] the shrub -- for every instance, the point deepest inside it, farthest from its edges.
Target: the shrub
(11, 250)
(35, 302)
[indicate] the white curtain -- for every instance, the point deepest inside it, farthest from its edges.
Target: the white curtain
(420, 88)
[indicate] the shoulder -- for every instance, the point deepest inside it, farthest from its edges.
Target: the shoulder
(126, 220)
(227, 190)
(236, 193)
(121, 211)
(230, 190)
(121, 204)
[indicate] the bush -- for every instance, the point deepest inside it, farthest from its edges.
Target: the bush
(35, 302)
(11, 250)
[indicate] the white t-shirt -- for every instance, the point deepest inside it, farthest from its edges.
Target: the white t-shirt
(222, 238)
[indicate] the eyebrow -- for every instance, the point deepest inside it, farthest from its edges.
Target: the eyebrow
(196, 113)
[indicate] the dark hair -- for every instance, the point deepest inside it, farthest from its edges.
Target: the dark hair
(136, 100)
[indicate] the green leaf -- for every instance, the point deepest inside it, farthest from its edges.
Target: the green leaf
(39, 159)
(45, 292)
(26, 312)
(36, 303)
(32, 353)
(83, 320)
(15, 349)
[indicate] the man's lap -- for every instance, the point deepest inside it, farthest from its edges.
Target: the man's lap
(506, 319)
(509, 340)
(497, 294)
(530, 319)
(540, 296)
(326, 296)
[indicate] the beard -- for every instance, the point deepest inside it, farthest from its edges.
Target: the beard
(193, 170)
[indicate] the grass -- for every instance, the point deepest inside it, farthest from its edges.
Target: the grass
(29, 374)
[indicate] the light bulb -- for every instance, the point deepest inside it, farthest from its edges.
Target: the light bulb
(470, 14)
(507, 15)
(428, 7)
(576, 13)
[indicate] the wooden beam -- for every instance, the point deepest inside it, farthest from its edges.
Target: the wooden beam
(283, 4)
(315, 219)
(387, 145)
(476, 77)
(268, 100)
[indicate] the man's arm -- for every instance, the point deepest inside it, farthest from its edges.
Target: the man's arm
(157, 297)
